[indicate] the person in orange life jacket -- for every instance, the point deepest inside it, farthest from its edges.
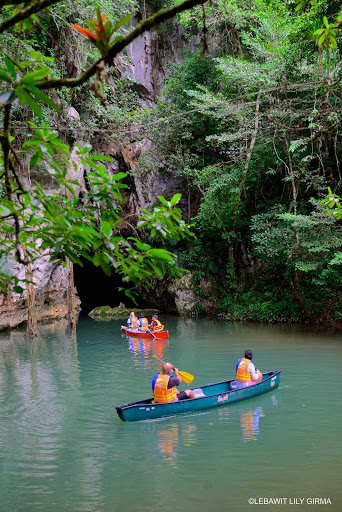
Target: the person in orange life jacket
(246, 374)
(132, 320)
(164, 386)
(142, 323)
(155, 325)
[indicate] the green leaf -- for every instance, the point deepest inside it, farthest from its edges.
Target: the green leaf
(175, 199)
(321, 39)
(7, 97)
(122, 22)
(26, 99)
(18, 289)
(35, 161)
(102, 158)
(105, 226)
(119, 176)
(106, 268)
(43, 97)
(32, 78)
(325, 21)
(333, 41)
(10, 66)
(163, 201)
(5, 76)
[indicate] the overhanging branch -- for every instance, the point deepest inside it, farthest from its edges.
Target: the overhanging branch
(143, 26)
(25, 13)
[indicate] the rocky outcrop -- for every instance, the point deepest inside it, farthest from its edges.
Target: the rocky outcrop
(51, 295)
(107, 313)
(150, 54)
(187, 301)
(178, 296)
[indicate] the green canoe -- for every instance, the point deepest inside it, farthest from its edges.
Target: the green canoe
(211, 395)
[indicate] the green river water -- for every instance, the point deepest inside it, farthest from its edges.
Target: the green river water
(63, 447)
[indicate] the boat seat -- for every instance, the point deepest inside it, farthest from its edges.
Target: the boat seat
(198, 392)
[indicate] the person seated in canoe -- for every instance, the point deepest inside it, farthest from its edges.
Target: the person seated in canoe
(155, 325)
(142, 323)
(246, 374)
(132, 320)
(164, 386)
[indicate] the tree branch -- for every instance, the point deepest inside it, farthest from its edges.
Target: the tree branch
(144, 26)
(25, 13)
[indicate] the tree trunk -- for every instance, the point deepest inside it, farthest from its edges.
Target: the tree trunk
(32, 327)
(231, 259)
(71, 299)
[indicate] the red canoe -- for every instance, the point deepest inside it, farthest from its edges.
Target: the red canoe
(145, 334)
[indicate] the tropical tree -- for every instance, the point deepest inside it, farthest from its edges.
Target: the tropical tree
(61, 223)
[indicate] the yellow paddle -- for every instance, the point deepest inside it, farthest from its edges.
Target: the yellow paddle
(186, 377)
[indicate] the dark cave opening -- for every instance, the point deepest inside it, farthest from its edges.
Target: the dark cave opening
(95, 288)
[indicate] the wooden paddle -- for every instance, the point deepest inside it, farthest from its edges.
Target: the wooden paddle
(187, 377)
(148, 330)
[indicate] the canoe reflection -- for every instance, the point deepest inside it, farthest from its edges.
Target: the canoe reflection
(171, 436)
(250, 424)
(143, 349)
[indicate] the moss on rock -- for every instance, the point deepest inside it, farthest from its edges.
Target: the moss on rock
(106, 312)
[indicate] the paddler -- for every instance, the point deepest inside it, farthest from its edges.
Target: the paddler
(132, 320)
(246, 374)
(142, 323)
(155, 325)
(164, 386)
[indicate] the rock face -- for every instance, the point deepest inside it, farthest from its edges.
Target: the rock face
(179, 297)
(150, 54)
(187, 301)
(51, 295)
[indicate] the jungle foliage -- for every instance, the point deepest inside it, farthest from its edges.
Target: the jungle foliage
(44, 63)
(252, 120)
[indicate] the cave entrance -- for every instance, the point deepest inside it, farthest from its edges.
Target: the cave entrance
(95, 288)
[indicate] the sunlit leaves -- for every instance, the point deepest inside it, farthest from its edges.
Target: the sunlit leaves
(166, 221)
(327, 35)
(334, 203)
(24, 86)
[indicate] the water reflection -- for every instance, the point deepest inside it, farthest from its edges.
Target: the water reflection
(250, 423)
(171, 437)
(144, 348)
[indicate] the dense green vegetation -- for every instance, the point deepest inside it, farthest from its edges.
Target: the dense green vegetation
(253, 122)
(251, 119)
(69, 219)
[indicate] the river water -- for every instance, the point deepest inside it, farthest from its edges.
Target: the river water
(63, 447)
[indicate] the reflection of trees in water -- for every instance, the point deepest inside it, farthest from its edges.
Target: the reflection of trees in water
(250, 423)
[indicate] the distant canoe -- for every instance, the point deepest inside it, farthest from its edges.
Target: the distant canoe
(207, 397)
(145, 334)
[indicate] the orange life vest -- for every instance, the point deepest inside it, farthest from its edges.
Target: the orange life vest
(159, 327)
(144, 326)
(161, 393)
(242, 374)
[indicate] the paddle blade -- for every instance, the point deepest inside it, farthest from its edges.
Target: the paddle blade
(186, 377)
(154, 355)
